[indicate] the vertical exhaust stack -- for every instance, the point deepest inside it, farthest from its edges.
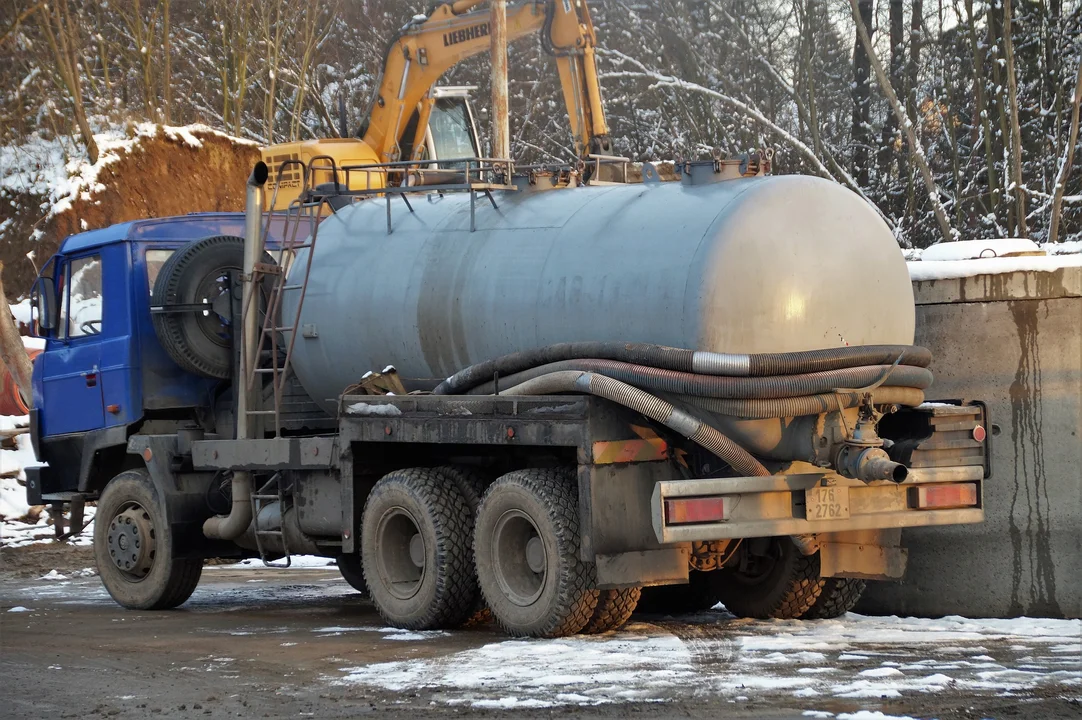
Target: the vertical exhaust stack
(231, 526)
(501, 130)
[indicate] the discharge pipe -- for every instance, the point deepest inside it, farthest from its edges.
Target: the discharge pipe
(233, 525)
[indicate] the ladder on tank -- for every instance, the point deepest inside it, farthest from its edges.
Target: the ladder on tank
(278, 335)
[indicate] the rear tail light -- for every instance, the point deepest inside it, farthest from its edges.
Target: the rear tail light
(688, 511)
(938, 497)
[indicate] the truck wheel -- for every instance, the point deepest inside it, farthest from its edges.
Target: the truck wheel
(614, 609)
(526, 546)
(349, 564)
(781, 583)
(839, 596)
(415, 550)
(472, 486)
(200, 342)
(697, 596)
(133, 547)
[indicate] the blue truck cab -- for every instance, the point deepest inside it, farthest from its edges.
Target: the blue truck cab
(104, 375)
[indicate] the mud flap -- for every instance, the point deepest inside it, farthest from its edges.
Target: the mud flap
(868, 562)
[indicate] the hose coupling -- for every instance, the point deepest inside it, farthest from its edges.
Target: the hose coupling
(869, 463)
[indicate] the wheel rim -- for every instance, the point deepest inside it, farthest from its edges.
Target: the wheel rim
(214, 292)
(762, 568)
(520, 558)
(401, 553)
(132, 542)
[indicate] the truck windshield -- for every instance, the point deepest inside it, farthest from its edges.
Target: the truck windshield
(451, 132)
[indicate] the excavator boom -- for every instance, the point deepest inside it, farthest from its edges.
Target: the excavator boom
(422, 51)
(428, 46)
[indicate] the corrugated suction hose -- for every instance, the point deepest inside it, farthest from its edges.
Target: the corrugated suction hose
(646, 404)
(690, 361)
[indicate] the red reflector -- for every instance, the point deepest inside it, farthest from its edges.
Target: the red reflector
(979, 433)
(932, 497)
(683, 511)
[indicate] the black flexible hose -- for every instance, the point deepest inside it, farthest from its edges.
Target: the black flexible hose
(653, 407)
(714, 386)
(689, 361)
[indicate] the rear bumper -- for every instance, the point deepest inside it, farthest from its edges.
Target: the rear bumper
(775, 505)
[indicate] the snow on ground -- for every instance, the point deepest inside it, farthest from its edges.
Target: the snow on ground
(295, 561)
(812, 662)
(12, 492)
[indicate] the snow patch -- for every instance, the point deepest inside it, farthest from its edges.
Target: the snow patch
(19, 609)
(949, 269)
(373, 409)
(295, 561)
(980, 249)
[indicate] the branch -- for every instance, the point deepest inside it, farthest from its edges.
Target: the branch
(916, 150)
(661, 80)
(1065, 165)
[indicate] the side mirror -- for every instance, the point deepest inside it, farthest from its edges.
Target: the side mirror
(43, 299)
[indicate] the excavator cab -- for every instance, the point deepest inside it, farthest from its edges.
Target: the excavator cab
(450, 133)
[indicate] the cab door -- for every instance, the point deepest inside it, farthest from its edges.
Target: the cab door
(71, 364)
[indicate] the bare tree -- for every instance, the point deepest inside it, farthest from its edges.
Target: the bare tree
(1065, 165)
(915, 149)
(1016, 126)
(862, 98)
(62, 34)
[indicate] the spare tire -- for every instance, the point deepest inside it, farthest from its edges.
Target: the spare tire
(200, 341)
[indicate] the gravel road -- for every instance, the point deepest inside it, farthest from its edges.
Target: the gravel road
(300, 643)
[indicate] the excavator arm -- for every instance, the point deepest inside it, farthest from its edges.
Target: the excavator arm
(428, 46)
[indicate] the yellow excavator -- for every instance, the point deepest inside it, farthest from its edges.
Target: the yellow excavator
(410, 120)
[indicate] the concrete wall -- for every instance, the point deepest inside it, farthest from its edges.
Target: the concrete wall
(1014, 341)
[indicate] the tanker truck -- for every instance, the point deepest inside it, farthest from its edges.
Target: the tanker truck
(508, 396)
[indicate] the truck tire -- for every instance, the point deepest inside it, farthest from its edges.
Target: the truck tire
(697, 596)
(416, 550)
(472, 486)
(526, 546)
(782, 584)
(614, 609)
(839, 596)
(200, 342)
(133, 547)
(349, 564)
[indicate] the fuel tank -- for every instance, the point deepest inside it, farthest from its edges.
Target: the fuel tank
(763, 264)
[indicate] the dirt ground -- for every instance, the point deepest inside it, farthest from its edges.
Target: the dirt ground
(300, 643)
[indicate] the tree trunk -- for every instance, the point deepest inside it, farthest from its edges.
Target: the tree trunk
(1065, 166)
(861, 95)
(1016, 125)
(12, 350)
(995, 42)
(167, 64)
(982, 109)
(916, 33)
(63, 38)
(888, 150)
(916, 151)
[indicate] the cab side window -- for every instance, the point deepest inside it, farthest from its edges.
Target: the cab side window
(81, 293)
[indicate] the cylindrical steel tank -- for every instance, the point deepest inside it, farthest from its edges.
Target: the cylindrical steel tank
(765, 264)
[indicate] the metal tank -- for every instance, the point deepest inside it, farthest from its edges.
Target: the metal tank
(763, 264)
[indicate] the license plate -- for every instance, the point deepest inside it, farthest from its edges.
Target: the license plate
(827, 503)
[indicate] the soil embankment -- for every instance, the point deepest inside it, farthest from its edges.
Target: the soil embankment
(157, 174)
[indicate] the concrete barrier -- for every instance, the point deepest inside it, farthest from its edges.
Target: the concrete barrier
(1013, 340)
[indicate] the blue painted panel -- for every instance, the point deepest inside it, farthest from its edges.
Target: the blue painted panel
(121, 389)
(71, 366)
